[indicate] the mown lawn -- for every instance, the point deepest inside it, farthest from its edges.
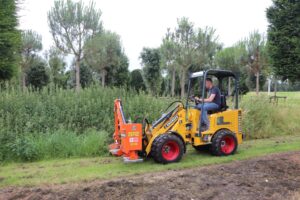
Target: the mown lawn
(82, 169)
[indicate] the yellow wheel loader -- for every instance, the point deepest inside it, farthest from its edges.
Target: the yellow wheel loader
(165, 139)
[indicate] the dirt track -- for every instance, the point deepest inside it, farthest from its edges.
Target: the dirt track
(271, 177)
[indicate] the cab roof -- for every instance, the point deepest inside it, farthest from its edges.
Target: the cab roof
(219, 73)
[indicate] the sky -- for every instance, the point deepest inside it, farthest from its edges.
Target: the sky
(143, 23)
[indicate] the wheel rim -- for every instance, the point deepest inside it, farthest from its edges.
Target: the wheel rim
(227, 144)
(170, 150)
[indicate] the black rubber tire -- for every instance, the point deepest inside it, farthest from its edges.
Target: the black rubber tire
(202, 148)
(158, 143)
(217, 141)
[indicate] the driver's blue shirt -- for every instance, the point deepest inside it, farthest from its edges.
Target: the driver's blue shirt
(216, 91)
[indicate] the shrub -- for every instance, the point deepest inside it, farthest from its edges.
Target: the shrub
(61, 144)
(262, 119)
(23, 148)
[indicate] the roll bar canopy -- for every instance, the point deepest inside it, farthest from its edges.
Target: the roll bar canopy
(219, 74)
(214, 72)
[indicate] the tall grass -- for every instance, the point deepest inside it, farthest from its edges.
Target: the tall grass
(33, 123)
(64, 109)
(262, 119)
(61, 144)
(61, 123)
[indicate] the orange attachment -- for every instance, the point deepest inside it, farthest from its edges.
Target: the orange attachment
(127, 136)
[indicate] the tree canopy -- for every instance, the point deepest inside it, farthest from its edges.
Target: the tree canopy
(57, 66)
(151, 69)
(104, 52)
(31, 44)
(284, 38)
(71, 24)
(10, 39)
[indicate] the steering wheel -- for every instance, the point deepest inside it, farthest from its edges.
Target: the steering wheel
(193, 99)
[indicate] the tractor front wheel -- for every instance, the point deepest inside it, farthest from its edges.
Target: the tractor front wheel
(167, 148)
(224, 143)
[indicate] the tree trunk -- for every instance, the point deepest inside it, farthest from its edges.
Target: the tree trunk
(173, 83)
(77, 75)
(103, 78)
(269, 86)
(182, 83)
(275, 87)
(229, 86)
(23, 80)
(257, 83)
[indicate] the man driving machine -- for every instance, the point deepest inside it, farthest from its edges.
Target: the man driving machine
(212, 103)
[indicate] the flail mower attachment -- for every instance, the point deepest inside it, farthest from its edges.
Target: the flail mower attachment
(127, 136)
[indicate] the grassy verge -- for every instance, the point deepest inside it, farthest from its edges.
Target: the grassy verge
(70, 170)
(262, 119)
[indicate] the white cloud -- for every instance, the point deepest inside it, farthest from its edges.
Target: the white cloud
(142, 23)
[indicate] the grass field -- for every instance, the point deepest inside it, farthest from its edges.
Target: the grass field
(72, 170)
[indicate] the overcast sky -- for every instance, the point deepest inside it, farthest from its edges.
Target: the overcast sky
(143, 23)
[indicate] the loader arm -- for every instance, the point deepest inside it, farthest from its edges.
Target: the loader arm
(120, 120)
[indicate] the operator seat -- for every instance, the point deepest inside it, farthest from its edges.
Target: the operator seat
(223, 106)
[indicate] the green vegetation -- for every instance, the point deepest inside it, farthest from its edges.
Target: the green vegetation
(10, 39)
(99, 57)
(262, 119)
(82, 169)
(37, 125)
(151, 69)
(72, 24)
(31, 45)
(60, 144)
(29, 116)
(284, 38)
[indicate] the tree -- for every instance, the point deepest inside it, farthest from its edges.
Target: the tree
(168, 58)
(37, 75)
(118, 75)
(57, 66)
(151, 69)
(257, 57)
(137, 81)
(235, 59)
(102, 52)
(284, 38)
(194, 48)
(71, 24)
(86, 75)
(10, 39)
(185, 49)
(207, 45)
(31, 44)
(251, 81)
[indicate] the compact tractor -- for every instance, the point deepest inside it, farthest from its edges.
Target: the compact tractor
(165, 139)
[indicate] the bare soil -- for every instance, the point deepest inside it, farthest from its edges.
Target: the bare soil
(273, 177)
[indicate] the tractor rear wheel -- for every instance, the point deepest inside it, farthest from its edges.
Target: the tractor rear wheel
(224, 143)
(167, 148)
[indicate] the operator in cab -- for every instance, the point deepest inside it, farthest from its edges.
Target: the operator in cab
(212, 103)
